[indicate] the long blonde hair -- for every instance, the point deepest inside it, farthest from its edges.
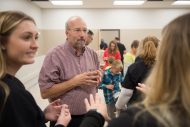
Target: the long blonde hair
(148, 53)
(169, 98)
(116, 47)
(9, 20)
(5, 90)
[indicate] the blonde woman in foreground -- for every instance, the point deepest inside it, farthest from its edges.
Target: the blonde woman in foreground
(18, 45)
(167, 102)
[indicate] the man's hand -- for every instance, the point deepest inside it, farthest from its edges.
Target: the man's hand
(99, 79)
(87, 78)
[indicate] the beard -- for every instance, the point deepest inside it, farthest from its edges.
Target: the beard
(80, 44)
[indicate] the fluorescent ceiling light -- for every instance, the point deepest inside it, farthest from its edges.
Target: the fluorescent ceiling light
(129, 2)
(66, 2)
(181, 2)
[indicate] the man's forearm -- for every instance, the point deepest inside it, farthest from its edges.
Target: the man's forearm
(58, 89)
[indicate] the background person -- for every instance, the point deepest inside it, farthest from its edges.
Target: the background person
(121, 48)
(110, 85)
(129, 57)
(90, 37)
(111, 51)
(103, 45)
(137, 73)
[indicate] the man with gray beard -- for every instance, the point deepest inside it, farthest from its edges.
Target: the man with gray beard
(70, 71)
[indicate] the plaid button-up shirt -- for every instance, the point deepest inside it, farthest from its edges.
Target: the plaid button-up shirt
(109, 78)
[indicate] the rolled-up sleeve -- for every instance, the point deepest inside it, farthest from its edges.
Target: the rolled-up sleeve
(50, 72)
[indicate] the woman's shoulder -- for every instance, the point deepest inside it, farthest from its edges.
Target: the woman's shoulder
(138, 65)
(10, 80)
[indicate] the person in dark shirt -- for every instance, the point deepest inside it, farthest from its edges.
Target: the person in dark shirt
(137, 73)
(18, 45)
(167, 102)
(121, 47)
(103, 45)
(122, 50)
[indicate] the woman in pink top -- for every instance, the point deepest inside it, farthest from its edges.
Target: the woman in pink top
(111, 51)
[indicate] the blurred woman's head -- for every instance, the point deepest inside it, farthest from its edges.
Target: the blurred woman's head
(148, 53)
(134, 46)
(169, 80)
(18, 35)
(112, 48)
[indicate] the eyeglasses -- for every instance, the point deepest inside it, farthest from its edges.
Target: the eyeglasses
(78, 30)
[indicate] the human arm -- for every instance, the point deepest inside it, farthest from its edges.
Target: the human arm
(64, 117)
(57, 112)
(143, 88)
(105, 86)
(98, 104)
(93, 119)
(52, 111)
(110, 86)
(97, 112)
(99, 79)
(56, 90)
(55, 78)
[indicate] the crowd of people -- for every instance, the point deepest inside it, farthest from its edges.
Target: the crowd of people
(153, 91)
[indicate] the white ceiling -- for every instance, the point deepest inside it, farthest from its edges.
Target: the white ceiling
(109, 4)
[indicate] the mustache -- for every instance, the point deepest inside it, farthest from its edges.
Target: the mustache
(81, 40)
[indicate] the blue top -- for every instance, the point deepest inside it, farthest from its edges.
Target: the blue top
(109, 78)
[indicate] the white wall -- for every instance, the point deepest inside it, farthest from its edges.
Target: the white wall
(28, 74)
(25, 6)
(96, 18)
(112, 18)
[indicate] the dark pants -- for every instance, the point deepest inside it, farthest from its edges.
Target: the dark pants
(75, 121)
(111, 110)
